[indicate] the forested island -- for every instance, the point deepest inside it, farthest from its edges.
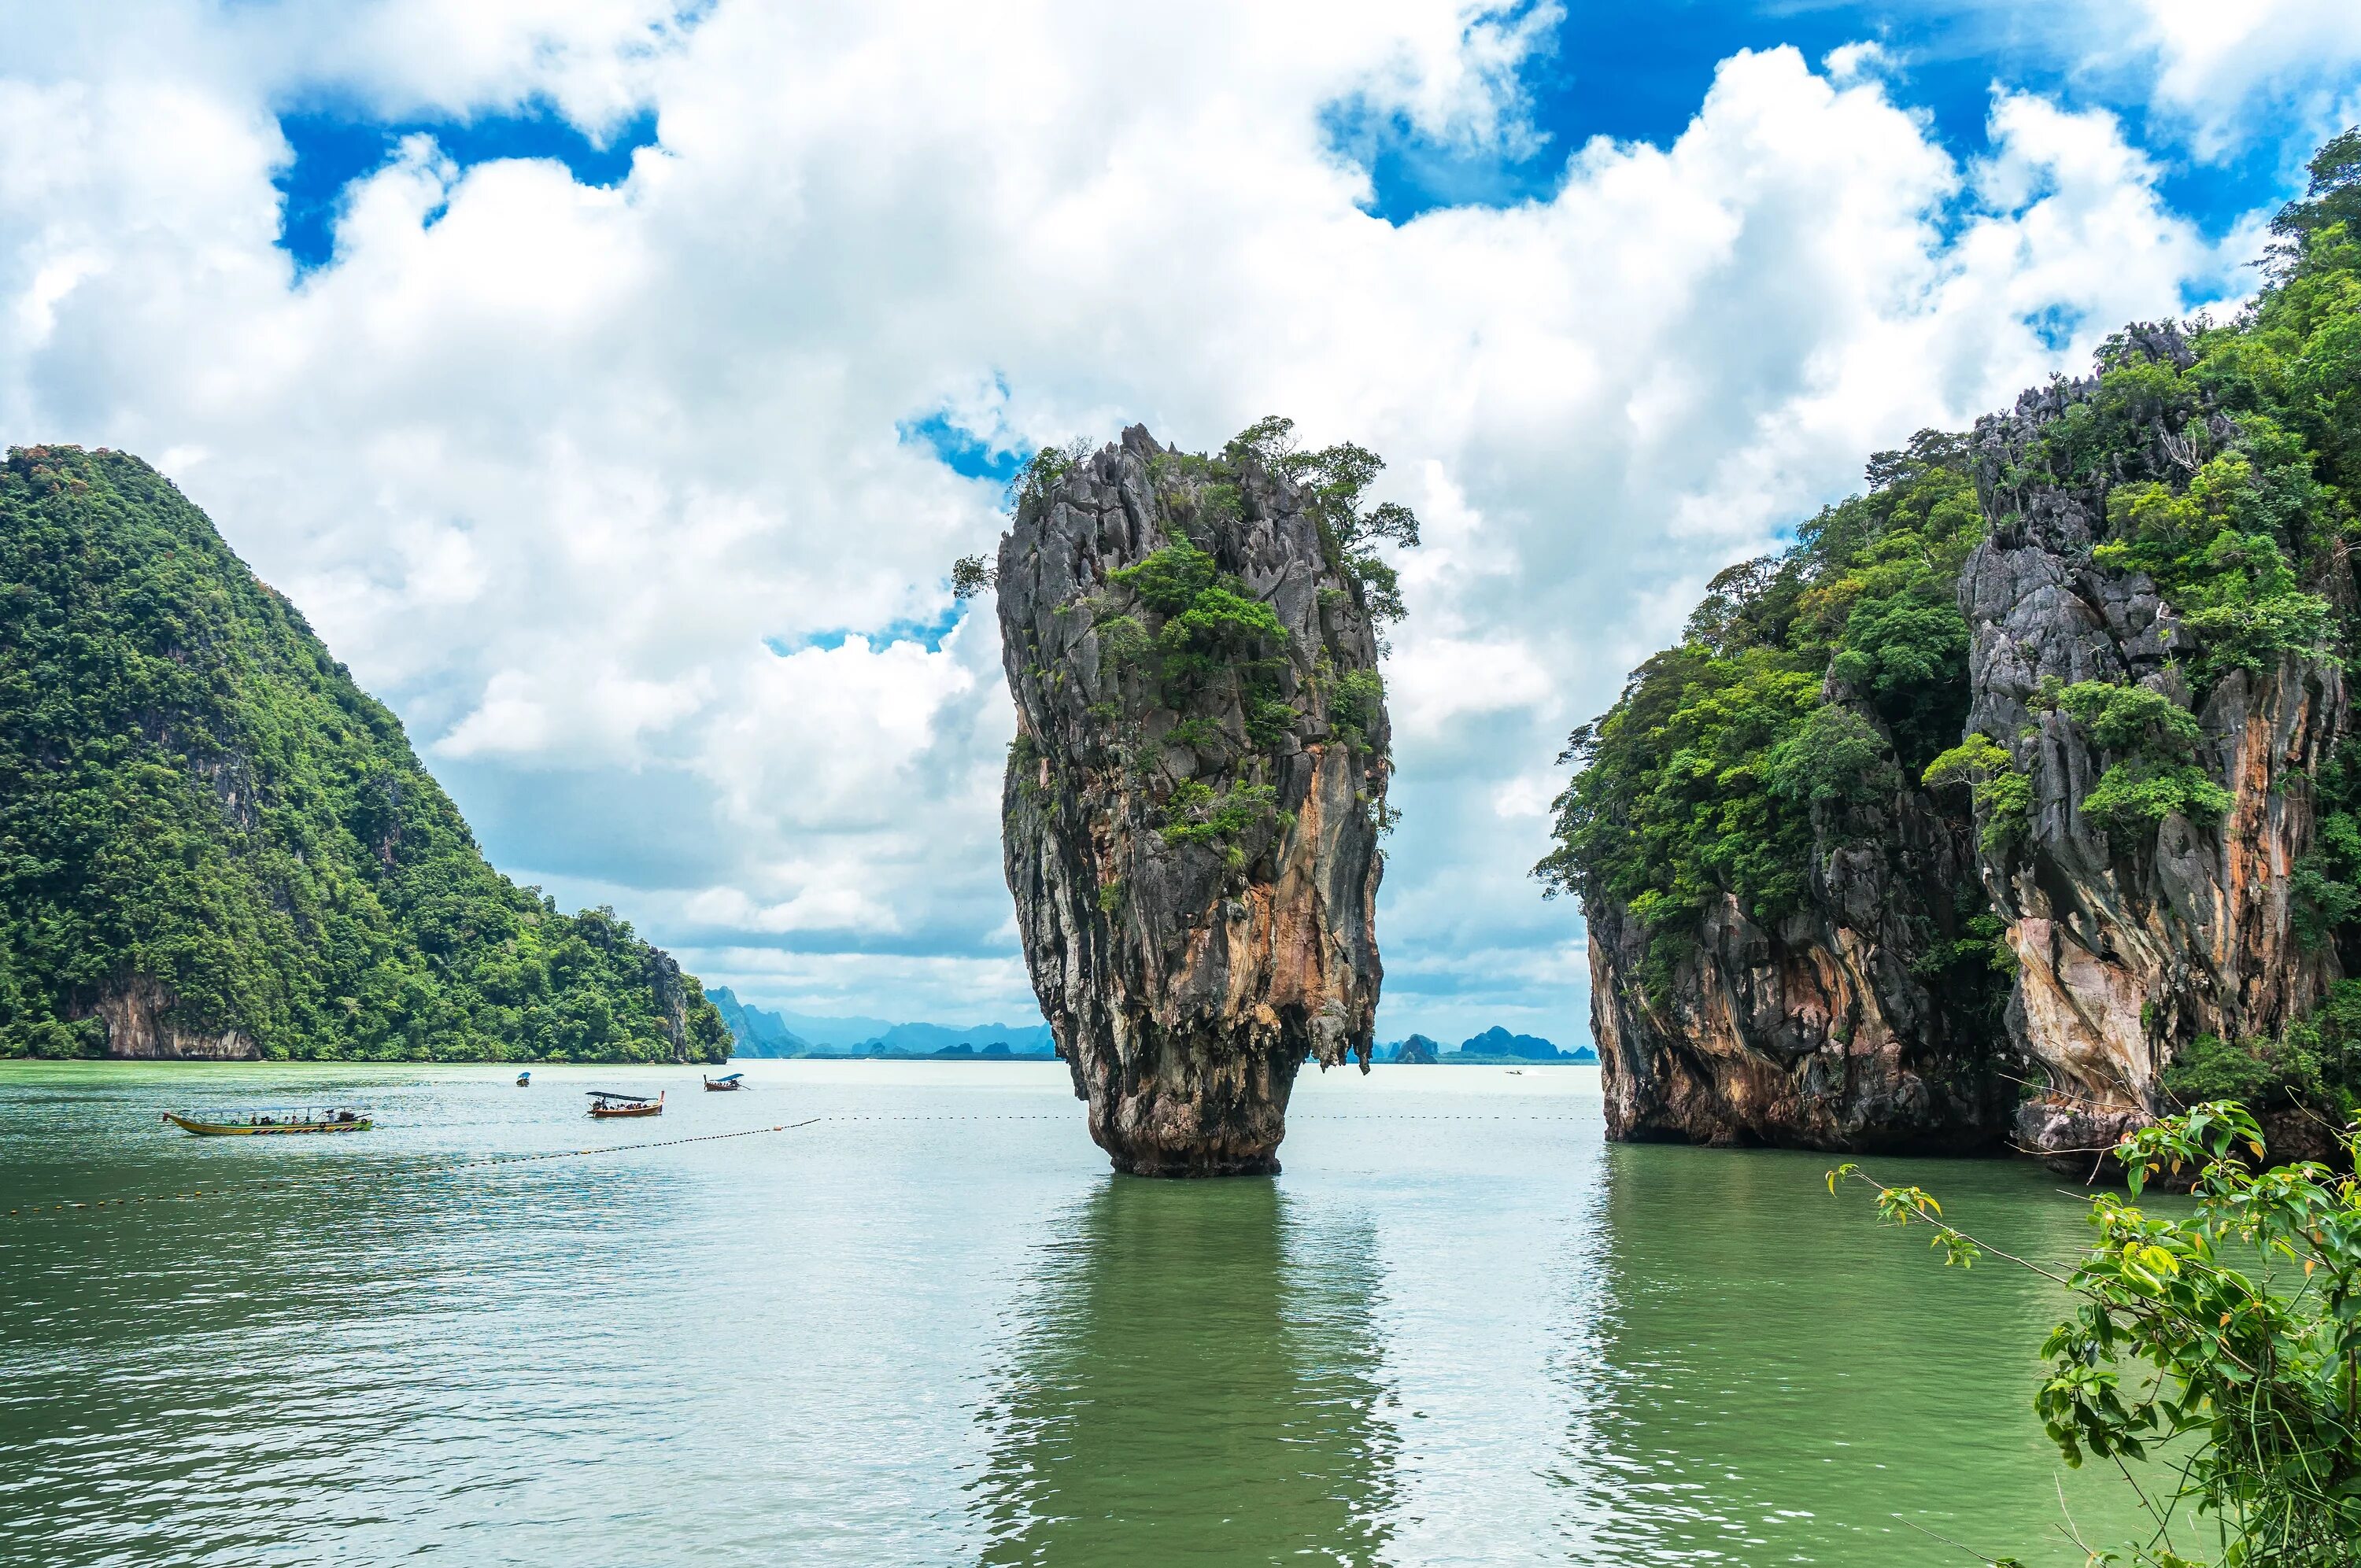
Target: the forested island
(213, 843)
(2019, 800)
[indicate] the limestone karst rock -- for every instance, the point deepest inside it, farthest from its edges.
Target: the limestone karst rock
(1908, 964)
(1194, 796)
(2033, 765)
(2132, 943)
(1820, 1029)
(1787, 941)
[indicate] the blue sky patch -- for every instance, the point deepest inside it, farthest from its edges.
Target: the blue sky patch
(2056, 325)
(1639, 73)
(334, 147)
(926, 634)
(960, 450)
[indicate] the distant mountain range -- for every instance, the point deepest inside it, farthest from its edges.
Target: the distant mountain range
(763, 1032)
(768, 1032)
(1495, 1045)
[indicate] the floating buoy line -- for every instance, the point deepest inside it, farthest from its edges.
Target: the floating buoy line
(324, 1178)
(380, 1173)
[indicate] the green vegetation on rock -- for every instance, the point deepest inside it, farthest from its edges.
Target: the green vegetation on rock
(1700, 782)
(205, 823)
(2154, 739)
(1218, 655)
(2002, 796)
(2327, 882)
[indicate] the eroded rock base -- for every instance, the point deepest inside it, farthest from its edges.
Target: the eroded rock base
(1188, 1112)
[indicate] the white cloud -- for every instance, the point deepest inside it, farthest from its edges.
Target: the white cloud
(2222, 65)
(1848, 63)
(558, 469)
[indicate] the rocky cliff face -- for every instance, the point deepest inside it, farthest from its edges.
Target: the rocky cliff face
(2147, 779)
(2112, 625)
(2131, 943)
(1194, 798)
(141, 1019)
(1835, 1027)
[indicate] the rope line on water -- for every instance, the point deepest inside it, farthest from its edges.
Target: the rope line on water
(383, 1173)
(435, 1168)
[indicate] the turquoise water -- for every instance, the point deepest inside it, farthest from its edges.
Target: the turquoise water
(930, 1328)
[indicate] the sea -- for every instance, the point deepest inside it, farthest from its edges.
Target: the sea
(902, 1313)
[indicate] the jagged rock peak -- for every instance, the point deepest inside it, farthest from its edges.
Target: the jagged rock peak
(1196, 794)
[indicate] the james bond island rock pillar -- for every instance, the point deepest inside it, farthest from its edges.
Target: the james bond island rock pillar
(1198, 783)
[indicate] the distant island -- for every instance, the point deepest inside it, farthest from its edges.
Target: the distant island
(1495, 1047)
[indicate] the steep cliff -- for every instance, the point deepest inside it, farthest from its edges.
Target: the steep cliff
(2144, 923)
(2020, 795)
(214, 844)
(1780, 950)
(1817, 1030)
(1197, 787)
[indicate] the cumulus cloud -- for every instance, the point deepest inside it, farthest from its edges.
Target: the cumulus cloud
(609, 490)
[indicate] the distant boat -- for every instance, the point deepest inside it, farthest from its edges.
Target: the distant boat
(525, 1081)
(274, 1124)
(606, 1102)
(720, 1085)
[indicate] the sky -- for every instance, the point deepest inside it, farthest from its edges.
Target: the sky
(612, 382)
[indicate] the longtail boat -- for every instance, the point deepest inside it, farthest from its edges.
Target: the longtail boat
(723, 1085)
(274, 1124)
(606, 1102)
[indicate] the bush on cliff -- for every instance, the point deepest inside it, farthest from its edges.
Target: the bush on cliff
(2153, 741)
(2002, 796)
(2216, 553)
(2314, 1064)
(2327, 882)
(194, 793)
(1335, 479)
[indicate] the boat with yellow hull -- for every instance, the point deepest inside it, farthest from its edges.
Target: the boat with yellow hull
(273, 1123)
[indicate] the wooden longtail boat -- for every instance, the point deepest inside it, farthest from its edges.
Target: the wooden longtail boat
(274, 1124)
(723, 1085)
(605, 1102)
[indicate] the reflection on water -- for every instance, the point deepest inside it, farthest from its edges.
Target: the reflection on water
(220, 1379)
(1193, 1379)
(930, 1329)
(1778, 1377)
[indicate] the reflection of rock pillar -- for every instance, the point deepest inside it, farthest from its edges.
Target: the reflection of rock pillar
(1191, 815)
(1196, 1380)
